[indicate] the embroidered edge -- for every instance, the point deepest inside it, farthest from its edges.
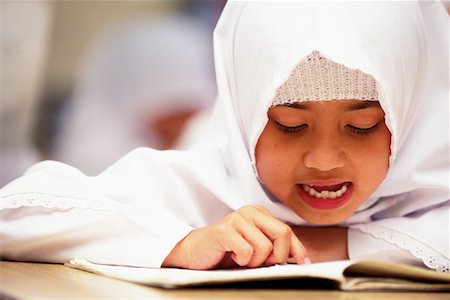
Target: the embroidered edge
(430, 257)
(35, 199)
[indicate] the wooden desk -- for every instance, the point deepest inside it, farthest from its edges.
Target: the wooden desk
(49, 281)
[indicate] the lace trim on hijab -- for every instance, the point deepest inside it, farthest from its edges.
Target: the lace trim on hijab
(430, 257)
(318, 78)
(48, 200)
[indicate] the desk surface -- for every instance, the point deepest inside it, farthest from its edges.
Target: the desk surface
(51, 281)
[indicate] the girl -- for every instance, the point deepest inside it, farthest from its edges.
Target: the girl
(330, 141)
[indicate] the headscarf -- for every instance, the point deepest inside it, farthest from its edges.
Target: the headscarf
(403, 45)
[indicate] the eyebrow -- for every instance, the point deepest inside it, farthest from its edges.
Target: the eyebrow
(360, 105)
(364, 104)
(296, 105)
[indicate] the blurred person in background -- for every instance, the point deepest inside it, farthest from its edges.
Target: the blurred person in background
(25, 37)
(141, 84)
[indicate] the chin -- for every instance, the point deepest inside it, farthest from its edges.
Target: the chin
(323, 221)
(321, 218)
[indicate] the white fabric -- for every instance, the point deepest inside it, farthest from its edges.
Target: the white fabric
(159, 196)
(133, 74)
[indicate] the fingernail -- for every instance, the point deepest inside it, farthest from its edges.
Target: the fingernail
(307, 261)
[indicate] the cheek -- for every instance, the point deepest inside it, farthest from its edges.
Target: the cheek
(271, 163)
(266, 162)
(382, 152)
(372, 161)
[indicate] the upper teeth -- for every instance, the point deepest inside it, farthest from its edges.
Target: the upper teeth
(325, 194)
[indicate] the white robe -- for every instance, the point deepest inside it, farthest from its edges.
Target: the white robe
(138, 209)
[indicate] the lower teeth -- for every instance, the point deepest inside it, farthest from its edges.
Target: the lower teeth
(324, 194)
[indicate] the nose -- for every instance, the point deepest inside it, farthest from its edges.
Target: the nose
(324, 154)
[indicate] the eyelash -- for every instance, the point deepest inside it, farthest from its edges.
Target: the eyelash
(353, 129)
(362, 131)
(291, 130)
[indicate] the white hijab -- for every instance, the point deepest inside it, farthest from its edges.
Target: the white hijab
(403, 45)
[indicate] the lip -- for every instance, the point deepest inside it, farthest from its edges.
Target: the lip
(329, 182)
(325, 204)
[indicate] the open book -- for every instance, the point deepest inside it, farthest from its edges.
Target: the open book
(344, 275)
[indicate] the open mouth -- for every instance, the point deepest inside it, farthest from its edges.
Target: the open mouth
(325, 196)
(326, 192)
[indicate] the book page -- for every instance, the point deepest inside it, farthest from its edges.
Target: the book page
(347, 275)
(395, 270)
(173, 277)
(391, 284)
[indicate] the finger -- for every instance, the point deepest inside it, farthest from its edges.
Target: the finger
(262, 245)
(286, 243)
(298, 251)
(292, 260)
(263, 210)
(227, 262)
(242, 251)
(281, 249)
(276, 231)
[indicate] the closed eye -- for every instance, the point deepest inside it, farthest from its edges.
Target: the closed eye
(291, 129)
(362, 131)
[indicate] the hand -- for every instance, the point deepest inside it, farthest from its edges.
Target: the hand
(249, 237)
(324, 243)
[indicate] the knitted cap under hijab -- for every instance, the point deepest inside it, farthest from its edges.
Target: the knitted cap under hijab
(318, 78)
